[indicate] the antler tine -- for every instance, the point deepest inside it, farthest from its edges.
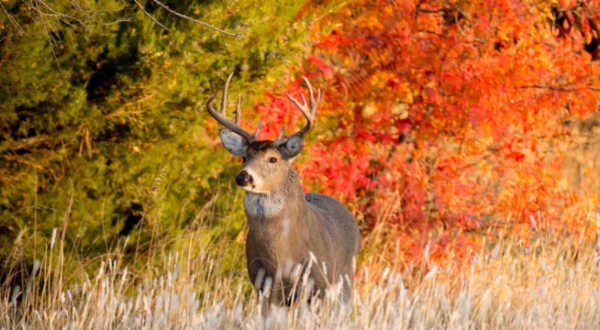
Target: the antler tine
(311, 96)
(310, 114)
(257, 130)
(224, 99)
(238, 111)
(314, 110)
(222, 117)
(280, 133)
(313, 104)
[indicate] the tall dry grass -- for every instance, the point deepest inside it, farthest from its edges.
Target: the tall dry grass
(549, 284)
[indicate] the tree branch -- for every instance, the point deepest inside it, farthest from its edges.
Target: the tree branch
(148, 14)
(90, 17)
(556, 88)
(27, 142)
(195, 20)
(12, 20)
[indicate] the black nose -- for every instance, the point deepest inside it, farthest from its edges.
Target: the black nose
(243, 179)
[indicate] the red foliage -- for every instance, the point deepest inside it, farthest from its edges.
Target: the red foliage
(447, 115)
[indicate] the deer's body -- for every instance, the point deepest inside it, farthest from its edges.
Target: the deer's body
(286, 225)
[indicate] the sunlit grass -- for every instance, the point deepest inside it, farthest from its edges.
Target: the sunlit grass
(548, 284)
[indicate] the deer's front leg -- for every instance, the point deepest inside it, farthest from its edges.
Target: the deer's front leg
(253, 264)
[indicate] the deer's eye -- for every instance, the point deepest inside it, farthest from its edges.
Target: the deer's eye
(244, 159)
(272, 160)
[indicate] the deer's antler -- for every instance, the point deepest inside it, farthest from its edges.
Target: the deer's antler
(222, 116)
(308, 110)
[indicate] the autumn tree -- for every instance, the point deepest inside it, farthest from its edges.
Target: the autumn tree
(444, 118)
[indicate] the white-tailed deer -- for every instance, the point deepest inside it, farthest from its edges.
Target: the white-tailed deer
(286, 226)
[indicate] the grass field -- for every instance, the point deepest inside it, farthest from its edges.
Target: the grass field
(197, 280)
(549, 284)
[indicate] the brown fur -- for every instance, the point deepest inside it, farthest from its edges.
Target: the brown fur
(277, 241)
(286, 225)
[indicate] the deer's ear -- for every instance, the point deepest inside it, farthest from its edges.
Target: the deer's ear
(235, 144)
(292, 147)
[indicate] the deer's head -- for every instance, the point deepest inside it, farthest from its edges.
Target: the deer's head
(266, 163)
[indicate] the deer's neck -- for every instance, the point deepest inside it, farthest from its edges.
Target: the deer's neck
(288, 200)
(263, 205)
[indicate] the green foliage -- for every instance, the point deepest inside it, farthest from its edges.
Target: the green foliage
(136, 135)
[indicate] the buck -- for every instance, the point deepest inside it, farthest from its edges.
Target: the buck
(290, 232)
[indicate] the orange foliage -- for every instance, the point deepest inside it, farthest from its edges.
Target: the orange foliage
(443, 118)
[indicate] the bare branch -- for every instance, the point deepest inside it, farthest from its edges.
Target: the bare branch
(196, 21)
(78, 8)
(27, 142)
(557, 88)
(12, 20)
(148, 14)
(395, 5)
(460, 29)
(63, 17)
(55, 58)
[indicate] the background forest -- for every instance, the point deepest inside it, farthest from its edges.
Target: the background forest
(448, 128)
(130, 119)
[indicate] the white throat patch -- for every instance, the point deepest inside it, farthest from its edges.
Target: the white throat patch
(266, 205)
